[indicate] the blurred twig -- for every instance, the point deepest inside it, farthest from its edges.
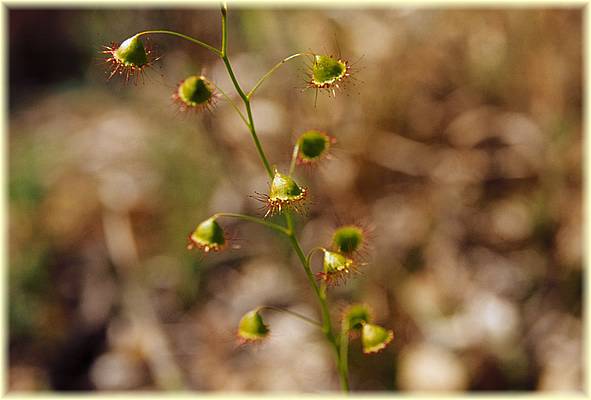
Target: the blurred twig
(123, 253)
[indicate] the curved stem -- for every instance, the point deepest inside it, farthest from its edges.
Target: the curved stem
(256, 220)
(295, 314)
(311, 253)
(232, 104)
(294, 157)
(270, 72)
(189, 38)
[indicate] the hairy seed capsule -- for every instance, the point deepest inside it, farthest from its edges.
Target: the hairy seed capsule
(129, 58)
(313, 145)
(284, 193)
(251, 327)
(209, 236)
(348, 239)
(132, 53)
(336, 267)
(328, 72)
(355, 316)
(195, 92)
(375, 338)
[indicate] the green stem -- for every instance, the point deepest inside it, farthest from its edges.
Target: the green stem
(233, 104)
(344, 357)
(256, 220)
(295, 314)
(243, 96)
(294, 157)
(270, 72)
(327, 328)
(311, 253)
(189, 38)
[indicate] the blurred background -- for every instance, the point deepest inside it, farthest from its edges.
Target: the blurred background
(459, 147)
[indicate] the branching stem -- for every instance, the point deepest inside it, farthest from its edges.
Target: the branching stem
(319, 291)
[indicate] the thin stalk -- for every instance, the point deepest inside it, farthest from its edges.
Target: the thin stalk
(295, 314)
(327, 328)
(256, 220)
(233, 104)
(270, 72)
(344, 358)
(224, 29)
(311, 253)
(294, 157)
(189, 38)
(241, 93)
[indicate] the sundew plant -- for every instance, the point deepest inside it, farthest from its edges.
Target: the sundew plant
(285, 197)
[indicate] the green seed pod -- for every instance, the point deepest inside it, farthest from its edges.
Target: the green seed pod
(132, 53)
(209, 236)
(375, 338)
(337, 267)
(129, 58)
(284, 188)
(313, 146)
(355, 316)
(348, 239)
(251, 327)
(328, 72)
(195, 92)
(284, 192)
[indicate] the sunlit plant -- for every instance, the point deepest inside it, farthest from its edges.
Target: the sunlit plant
(285, 196)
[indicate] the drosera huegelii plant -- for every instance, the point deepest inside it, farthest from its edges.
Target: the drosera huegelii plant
(285, 196)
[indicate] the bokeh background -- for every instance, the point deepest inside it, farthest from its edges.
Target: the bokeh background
(459, 146)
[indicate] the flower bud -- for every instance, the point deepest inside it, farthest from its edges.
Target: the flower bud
(251, 327)
(313, 146)
(328, 72)
(284, 193)
(209, 236)
(355, 316)
(336, 266)
(348, 239)
(195, 92)
(375, 338)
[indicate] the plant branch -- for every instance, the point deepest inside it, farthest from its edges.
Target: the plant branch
(189, 38)
(270, 72)
(245, 100)
(295, 314)
(294, 157)
(256, 220)
(344, 357)
(232, 104)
